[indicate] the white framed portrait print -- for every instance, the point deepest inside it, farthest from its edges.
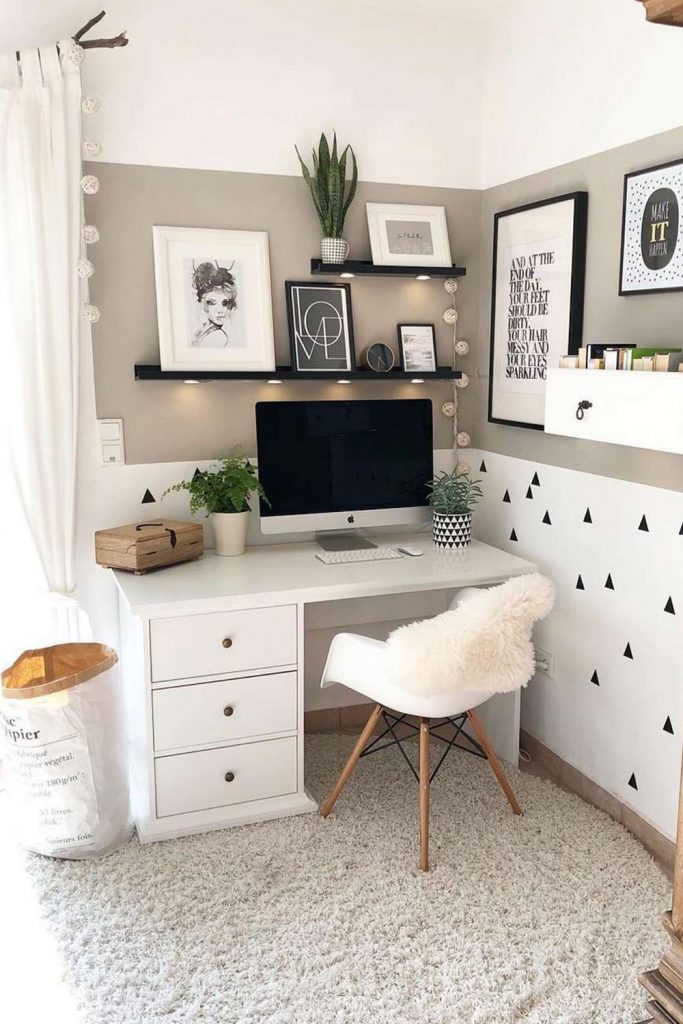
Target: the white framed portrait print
(213, 299)
(403, 235)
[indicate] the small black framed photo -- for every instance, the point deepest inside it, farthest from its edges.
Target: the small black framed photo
(417, 345)
(539, 270)
(651, 256)
(320, 327)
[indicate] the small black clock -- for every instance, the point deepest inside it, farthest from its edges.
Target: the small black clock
(379, 358)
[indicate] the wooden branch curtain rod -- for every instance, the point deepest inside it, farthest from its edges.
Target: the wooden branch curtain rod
(96, 44)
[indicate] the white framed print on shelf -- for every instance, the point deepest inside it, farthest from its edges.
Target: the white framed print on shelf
(651, 253)
(417, 346)
(539, 269)
(402, 235)
(213, 299)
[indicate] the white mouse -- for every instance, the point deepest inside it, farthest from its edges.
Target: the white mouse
(408, 550)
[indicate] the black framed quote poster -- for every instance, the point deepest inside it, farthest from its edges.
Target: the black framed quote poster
(539, 266)
(651, 253)
(320, 326)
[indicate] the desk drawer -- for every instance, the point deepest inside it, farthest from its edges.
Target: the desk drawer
(221, 642)
(199, 781)
(228, 709)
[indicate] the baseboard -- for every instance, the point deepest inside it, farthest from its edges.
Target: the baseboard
(571, 779)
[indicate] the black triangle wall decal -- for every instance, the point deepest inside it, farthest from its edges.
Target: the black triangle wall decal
(529, 493)
(482, 468)
(669, 607)
(628, 653)
(668, 727)
(148, 498)
(594, 678)
(632, 782)
(680, 532)
(196, 473)
(608, 582)
(579, 584)
(513, 535)
(588, 518)
(506, 497)
(643, 525)
(535, 481)
(546, 519)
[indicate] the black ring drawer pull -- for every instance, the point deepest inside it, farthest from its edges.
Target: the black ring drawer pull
(229, 776)
(227, 642)
(581, 408)
(228, 711)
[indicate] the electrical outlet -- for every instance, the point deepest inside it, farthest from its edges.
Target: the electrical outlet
(545, 663)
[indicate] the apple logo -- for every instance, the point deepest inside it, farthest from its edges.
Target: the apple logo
(350, 519)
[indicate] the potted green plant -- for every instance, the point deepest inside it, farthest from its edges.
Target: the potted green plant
(332, 195)
(224, 492)
(452, 497)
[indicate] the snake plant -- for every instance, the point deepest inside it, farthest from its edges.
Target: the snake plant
(332, 194)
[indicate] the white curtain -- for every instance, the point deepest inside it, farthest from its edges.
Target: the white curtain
(40, 324)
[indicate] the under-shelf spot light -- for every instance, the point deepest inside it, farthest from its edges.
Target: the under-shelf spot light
(191, 382)
(343, 382)
(347, 274)
(275, 382)
(417, 380)
(423, 277)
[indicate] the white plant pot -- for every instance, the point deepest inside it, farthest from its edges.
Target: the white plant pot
(230, 531)
(452, 531)
(334, 250)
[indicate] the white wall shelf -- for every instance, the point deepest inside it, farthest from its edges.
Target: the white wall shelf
(640, 410)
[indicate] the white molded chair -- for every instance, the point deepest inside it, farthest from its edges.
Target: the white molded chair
(439, 670)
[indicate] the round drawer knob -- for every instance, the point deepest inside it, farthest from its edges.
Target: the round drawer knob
(228, 711)
(227, 642)
(229, 776)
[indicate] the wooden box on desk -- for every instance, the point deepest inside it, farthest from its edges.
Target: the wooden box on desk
(140, 547)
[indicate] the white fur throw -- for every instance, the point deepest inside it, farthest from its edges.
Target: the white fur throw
(485, 643)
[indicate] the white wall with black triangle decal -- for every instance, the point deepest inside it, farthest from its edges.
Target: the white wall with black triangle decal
(615, 551)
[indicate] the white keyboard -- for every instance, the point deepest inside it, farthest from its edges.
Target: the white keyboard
(362, 555)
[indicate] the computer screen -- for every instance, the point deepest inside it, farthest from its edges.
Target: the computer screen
(349, 463)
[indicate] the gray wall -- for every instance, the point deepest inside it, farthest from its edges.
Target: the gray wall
(656, 319)
(166, 421)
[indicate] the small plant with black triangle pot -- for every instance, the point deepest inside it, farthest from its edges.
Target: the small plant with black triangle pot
(453, 497)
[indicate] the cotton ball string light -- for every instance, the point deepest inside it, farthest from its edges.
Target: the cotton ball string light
(91, 105)
(90, 314)
(462, 468)
(450, 315)
(90, 184)
(75, 54)
(84, 268)
(91, 148)
(462, 348)
(90, 234)
(463, 440)
(462, 381)
(451, 285)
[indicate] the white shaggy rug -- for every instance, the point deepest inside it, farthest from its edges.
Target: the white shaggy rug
(545, 918)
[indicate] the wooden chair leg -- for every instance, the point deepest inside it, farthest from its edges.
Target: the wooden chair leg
(361, 743)
(497, 767)
(424, 794)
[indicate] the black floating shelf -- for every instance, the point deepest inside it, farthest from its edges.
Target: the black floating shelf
(285, 374)
(368, 268)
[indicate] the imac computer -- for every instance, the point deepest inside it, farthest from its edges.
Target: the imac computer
(333, 466)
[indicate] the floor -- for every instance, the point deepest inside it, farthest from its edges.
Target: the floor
(539, 919)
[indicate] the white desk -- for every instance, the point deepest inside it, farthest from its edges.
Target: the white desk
(213, 657)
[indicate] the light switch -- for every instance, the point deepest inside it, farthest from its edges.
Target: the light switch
(111, 453)
(110, 437)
